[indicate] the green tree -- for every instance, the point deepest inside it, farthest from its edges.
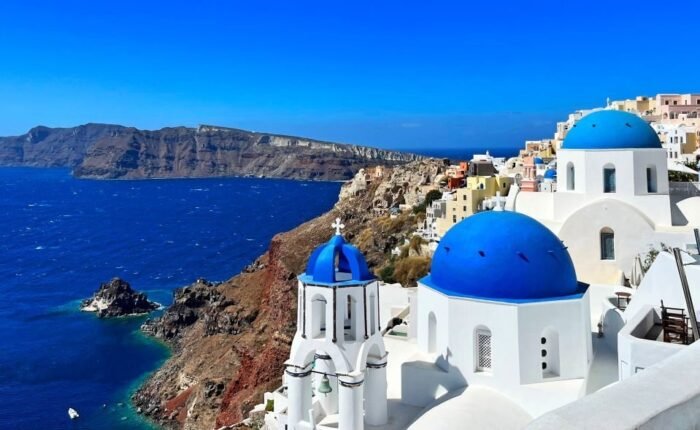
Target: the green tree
(429, 199)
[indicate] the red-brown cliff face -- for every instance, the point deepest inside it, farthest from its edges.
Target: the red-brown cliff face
(230, 340)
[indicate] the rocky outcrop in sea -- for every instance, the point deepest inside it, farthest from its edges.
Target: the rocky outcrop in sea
(116, 298)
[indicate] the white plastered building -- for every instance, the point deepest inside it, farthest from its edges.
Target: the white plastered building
(501, 309)
(612, 199)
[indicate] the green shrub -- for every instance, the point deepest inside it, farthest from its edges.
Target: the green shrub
(386, 272)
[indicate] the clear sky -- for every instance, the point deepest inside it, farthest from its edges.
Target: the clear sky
(380, 72)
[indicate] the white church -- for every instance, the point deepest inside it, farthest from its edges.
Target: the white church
(503, 333)
(338, 357)
(612, 199)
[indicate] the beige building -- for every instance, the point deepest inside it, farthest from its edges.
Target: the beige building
(641, 104)
(467, 201)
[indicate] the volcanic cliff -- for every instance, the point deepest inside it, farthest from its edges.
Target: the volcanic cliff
(103, 151)
(230, 340)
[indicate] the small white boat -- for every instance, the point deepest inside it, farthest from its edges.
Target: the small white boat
(73, 414)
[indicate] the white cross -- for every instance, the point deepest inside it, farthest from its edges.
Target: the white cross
(337, 226)
(499, 202)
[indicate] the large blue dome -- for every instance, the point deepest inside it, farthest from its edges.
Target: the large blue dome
(336, 262)
(611, 129)
(503, 256)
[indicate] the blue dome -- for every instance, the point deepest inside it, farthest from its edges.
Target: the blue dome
(503, 256)
(538, 160)
(611, 129)
(550, 174)
(336, 262)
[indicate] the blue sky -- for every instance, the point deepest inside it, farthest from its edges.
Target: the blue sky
(383, 73)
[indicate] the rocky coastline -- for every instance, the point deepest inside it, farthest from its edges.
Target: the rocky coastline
(230, 340)
(103, 151)
(116, 298)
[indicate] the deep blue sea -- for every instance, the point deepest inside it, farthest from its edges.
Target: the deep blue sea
(61, 237)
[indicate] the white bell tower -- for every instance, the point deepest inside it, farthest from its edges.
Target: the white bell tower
(336, 373)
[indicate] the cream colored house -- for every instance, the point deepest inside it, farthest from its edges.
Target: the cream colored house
(467, 201)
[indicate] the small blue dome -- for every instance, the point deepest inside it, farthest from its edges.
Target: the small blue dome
(611, 129)
(503, 256)
(550, 174)
(538, 160)
(336, 262)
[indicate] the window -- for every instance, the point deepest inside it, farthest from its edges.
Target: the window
(607, 244)
(483, 350)
(432, 332)
(651, 179)
(609, 179)
(675, 102)
(318, 317)
(350, 323)
(372, 315)
(570, 177)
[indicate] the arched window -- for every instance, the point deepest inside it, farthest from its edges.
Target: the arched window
(609, 185)
(432, 332)
(570, 177)
(482, 346)
(318, 317)
(350, 323)
(607, 244)
(651, 179)
(372, 315)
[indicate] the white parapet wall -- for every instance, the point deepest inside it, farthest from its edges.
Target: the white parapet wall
(635, 350)
(664, 396)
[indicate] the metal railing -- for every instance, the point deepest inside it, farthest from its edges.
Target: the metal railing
(689, 189)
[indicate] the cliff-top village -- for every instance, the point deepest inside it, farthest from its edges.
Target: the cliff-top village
(561, 288)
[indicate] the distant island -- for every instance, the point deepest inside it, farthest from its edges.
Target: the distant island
(103, 151)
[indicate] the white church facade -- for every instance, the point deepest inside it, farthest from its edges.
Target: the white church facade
(613, 200)
(501, 310)
(496, 314)
(338, 356)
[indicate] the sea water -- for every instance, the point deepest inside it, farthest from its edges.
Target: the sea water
(61, 237)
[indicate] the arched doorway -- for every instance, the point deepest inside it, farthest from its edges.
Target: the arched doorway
(318, 317)
(607, 244)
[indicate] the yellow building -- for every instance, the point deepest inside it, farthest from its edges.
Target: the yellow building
(467, 201)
